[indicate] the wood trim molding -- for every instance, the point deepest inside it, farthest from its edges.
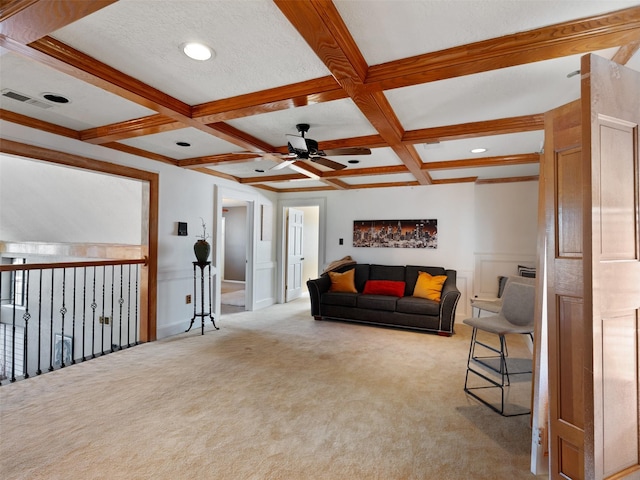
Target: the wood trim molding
(484, 162)
(568, 38)
(499, 126)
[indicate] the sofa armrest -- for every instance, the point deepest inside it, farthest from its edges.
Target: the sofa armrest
(317, 287)
(448, 302)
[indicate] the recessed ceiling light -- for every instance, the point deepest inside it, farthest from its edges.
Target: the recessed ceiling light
(478, 150)
(183, 144)
(55, 98)
(197, 51)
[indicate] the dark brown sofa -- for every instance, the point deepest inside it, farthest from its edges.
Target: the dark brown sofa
(404, 312)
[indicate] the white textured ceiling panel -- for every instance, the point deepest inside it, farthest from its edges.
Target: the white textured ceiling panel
(256, 48)
(89, 106)
(496, 145)
(485, 173)
(164, 143)
(248, 169)
(329, 120)
(386, 30)
(508, 92)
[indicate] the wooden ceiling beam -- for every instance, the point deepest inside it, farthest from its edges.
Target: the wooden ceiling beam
(369, 171)
(319, 90)
(385, 185)
(286, 177)
(225, 158)
(121, 147)
(38, 124)
(500, 161)
(569, 38)
(28, 20)
(530, 178)
(130, 129)
(500, 126)
(447, 181)
(625, 52)
(320, 24)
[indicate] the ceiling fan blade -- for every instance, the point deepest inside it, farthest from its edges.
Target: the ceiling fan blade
(328, 163)
(348, 151)
(282, 165)
(297, 142)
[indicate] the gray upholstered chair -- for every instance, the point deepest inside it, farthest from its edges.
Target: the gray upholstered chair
(515, 317)
(494, 305)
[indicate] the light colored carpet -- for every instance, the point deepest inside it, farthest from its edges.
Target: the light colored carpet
(272, 395)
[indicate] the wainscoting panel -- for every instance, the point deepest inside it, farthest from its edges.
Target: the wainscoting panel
(489, 266)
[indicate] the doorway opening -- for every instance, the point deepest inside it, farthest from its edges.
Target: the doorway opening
(303, 249)
(234, 245)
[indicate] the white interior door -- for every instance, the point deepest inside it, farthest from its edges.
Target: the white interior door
(295, 228)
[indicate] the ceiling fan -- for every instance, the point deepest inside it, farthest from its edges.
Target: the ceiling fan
(302, 148)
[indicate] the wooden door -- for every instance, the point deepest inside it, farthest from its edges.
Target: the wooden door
(563, 167)
(611, 115)
(592, 205)
(295, 230)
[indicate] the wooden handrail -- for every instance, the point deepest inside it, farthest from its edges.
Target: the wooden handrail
(95, 263)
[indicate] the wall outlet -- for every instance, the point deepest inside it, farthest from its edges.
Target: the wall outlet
(105, 320)
(187, 299)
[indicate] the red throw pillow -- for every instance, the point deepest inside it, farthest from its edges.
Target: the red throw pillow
(384, 287)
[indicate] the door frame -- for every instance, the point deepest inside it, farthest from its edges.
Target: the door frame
(281, 253)
(221, 193)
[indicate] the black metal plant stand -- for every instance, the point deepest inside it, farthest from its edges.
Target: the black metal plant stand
(202, 313)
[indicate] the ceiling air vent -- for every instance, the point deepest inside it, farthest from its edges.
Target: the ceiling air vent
(24, 98)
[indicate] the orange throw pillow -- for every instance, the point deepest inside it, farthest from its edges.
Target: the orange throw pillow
(343, 282)
(428, 286)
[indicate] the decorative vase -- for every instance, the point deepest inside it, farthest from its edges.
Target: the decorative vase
(202, 249)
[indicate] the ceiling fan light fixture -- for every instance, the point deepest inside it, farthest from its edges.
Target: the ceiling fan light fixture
(197, 51)
(478, 150)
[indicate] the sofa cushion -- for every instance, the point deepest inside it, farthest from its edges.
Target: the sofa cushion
(417, 305)
(342, 299)
(384, 287)
(387, 272)
(343, 282)
(411, 276)
(377, 302)
(429, 286)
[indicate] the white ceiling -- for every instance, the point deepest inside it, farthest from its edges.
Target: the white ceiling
(258, 48)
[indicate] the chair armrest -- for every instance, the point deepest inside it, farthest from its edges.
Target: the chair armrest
(317, 287)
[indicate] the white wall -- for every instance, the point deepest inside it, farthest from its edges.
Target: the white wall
(46, 203)
(492, 219)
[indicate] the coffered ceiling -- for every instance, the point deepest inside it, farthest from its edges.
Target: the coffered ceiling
(419, 83)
